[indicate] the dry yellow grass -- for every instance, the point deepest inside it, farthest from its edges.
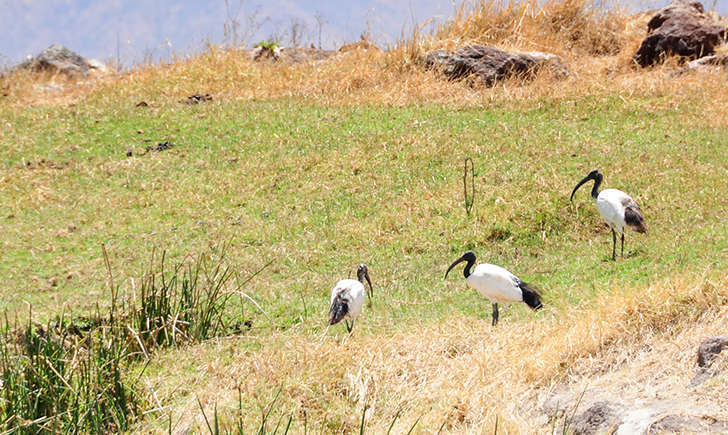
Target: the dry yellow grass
(462, 373)
(596, 45)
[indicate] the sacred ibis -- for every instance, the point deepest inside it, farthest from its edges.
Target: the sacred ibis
(497, 284)
(616, 208)
(347, 298)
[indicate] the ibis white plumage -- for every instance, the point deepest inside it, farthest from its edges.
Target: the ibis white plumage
(347, 298)
(617, 209)
(497, 284)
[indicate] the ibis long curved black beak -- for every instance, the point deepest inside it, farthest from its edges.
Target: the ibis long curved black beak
(369, 281)
(362, 273)
(455, 263)
(584, 180)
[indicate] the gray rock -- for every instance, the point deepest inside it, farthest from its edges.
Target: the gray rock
(59, 59)
(710, 348)
(707, 63)
(598, 418)
(687, 424)
(260, 53)
(681, 28)
(490, 64)
(715, 60)
(702, 375)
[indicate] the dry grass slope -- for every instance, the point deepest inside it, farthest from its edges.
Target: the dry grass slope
(597, 45)
(462, 374)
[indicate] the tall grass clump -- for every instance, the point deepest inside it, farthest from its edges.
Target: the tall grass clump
(564, 27)
(74, 374)
(555, 25)
(184, 304)
(56, 378)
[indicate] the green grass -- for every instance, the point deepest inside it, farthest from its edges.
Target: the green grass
(321, 189)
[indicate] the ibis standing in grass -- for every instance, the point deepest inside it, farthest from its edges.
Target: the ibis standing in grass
(497, 284)
(347, 298)
(617, 209)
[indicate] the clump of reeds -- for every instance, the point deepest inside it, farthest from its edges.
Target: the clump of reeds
(73, 374)
(55, 378)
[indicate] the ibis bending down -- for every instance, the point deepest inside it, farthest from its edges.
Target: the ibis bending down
(617, 209)
(497, 284)
(347, 298)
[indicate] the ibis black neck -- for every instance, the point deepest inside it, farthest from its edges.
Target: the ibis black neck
(468, 266)
(595, 189)
(362, 273)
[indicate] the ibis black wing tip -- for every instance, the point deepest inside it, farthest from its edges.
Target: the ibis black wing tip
(531, 296)
(339, 309)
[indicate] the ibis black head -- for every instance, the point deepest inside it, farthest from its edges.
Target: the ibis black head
(468, 256)
(362, 273)
(593, 175)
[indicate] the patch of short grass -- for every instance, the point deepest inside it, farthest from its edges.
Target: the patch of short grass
(318, 189)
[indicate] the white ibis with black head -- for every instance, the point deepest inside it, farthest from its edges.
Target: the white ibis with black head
(617, 209)
(497, 284)
(347, 298)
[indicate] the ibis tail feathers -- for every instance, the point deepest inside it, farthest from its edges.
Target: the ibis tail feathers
(530, 296)
(339, 310)
(633, 218)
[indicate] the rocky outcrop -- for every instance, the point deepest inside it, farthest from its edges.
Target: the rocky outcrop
(59, 59)
(683, 29)
(491, 65)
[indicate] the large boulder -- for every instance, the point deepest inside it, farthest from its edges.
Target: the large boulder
(490, 64)
(59, 59)
(682, 28)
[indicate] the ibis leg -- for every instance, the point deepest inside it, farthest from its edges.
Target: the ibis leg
(349, 327)
(614, 245)
(622, 245)
(495, 314)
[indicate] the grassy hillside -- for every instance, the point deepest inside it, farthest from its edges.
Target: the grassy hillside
(320, 189)
(316, 168)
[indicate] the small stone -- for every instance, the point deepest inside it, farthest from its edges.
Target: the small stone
(710, 348)
(161, 146)
(197, 98)
(598, 418)
(688, 424)
(260, 53)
